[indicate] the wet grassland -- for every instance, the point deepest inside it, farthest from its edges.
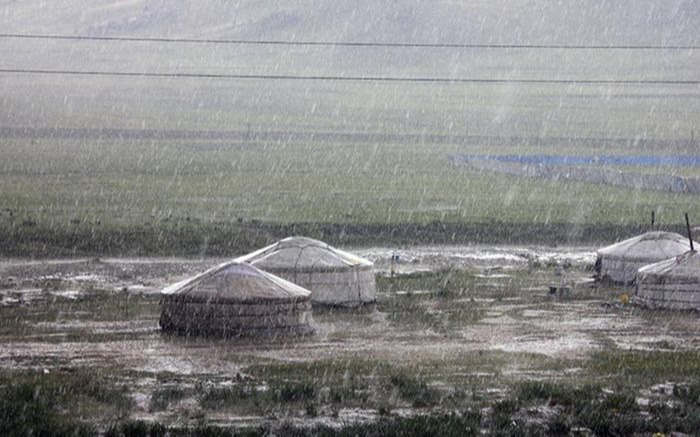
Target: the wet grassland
(106, 166)
(447, 351)
(101, 197)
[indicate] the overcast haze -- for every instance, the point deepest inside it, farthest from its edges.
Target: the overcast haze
(667, 22)
(118, 102)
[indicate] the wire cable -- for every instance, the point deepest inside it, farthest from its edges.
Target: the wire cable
(349, 78)
(348, 44)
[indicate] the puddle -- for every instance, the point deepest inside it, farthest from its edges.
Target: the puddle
(414, 292)
(416, 259)
(68, 294)
(571, 346)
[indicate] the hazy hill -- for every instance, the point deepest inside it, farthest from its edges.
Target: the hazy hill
(510, 110)
(666, 22)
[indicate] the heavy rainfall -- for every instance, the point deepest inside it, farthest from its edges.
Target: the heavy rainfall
(333, 217)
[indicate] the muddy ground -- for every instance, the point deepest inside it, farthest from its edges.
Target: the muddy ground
(465, 322)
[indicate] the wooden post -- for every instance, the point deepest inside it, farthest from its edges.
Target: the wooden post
(690, 236)
(652, 220)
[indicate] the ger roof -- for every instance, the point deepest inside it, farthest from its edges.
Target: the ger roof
(301, 253)
(233, 281)
(654, 246)
(682, 268)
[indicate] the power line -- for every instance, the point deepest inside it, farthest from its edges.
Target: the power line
(347, 78)
(347, 44)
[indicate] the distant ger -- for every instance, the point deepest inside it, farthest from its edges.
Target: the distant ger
(335, 277)
(235, 299)
(619, 263)
(673, 284)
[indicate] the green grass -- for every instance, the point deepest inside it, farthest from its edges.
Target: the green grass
(95, 305)
(57, 403)
(39, 404)
(64, 197)
(161, 398)
(344, 383)
(151, 182)
(466, 424)
(633, 367)
(603, 411)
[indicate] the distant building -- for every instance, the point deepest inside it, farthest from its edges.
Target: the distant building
(672, 284)
(620, 262)
(235, 299)
(335, 277)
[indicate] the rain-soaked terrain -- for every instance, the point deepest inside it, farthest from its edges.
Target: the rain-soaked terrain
(141, 139)
(454, 329)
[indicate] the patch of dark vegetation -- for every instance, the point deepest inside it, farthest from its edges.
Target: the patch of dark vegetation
(417, 307)
(318, 384)
(304, 391)
(346, 371)
(502, 413)
(186, 237)
(446, 283)
(136, 429)
(216, 398)
(48, 404)
(601, 411)
(448, 425)
(161, 398)
(154, 429)
(410, 311)
(688, 393)
(555, 394)
(415, 390)
(94, 305)
(630, 366)
(667, 418)
(434, 425)
(26, 409)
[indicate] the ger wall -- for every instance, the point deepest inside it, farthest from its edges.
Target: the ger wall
(350, 287)
(620, 270)
(668, 296)
(234, 319)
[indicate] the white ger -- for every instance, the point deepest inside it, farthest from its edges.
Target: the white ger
(236, 299)
(620, 262)
(672, 284)
(335, 277)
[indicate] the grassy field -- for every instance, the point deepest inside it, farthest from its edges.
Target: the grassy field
(55, 192)
(220, 166)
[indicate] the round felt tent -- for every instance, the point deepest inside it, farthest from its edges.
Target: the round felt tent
(620, 262)
(335, 277)
(671, 284)
(235, 299)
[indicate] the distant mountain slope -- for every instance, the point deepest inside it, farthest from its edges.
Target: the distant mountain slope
(479, 21)
(504, 110)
